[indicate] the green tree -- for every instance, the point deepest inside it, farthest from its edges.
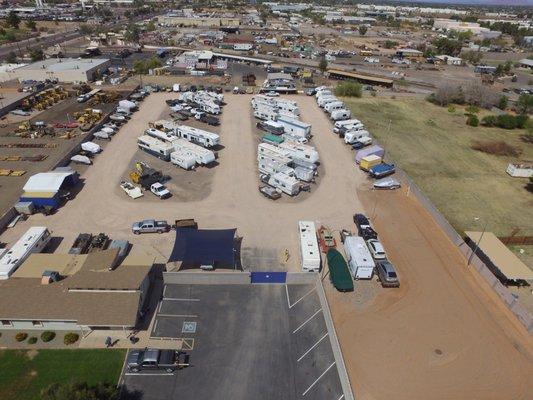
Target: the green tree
(349, 89)
(11, 58)
(36, 54)
(73, 391)
(362, 30)
(86, 29)
(524, 105)
(503, 102)
(132, 34)
(13, 20)
(448, 46)
(472, 120)
(323, 64)
(30, 24)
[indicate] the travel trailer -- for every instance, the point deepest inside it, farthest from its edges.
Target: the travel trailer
(183, 159)
(286, 183)
(359, 258)
(198, 136)
(155, 147)
(309, 250)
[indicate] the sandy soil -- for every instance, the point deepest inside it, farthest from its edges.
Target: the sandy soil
(443, 334)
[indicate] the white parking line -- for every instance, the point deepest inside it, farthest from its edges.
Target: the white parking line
(288, 301)
(307, 320)
(317, 379)
(177, 315)
(312, 347)
(159, 307)
(155, 325)
(164, 291)
(303, 297)
(173, 299)
(145, 374)
(342, 397)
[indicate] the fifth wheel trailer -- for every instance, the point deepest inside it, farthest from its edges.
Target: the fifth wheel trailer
(300, 151)
(155, 147)
(202, 156)
(33, 241)
(359, 258)
(295, 127)
(287, 184)
(198, 136)
(309, 250)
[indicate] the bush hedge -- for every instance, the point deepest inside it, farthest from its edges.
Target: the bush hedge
(48, 336)
(472, 120)
(71, 338)
(21, 336)
(32, 340)
(349, 89)
(506, 121)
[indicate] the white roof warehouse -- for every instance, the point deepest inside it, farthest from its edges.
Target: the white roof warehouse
(64, 69)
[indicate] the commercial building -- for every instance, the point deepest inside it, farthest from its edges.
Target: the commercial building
(62, 69)
(76, 292)
(362, 78)
(205, 21)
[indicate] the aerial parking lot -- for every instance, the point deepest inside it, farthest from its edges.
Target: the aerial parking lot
(244, 341)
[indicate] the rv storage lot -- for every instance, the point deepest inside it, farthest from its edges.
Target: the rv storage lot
(381, 338)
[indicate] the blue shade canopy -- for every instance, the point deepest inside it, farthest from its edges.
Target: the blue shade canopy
(204, 246)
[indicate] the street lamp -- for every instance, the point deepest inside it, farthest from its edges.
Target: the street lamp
(478, 242)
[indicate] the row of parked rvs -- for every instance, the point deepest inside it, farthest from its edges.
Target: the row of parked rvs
(332, 105)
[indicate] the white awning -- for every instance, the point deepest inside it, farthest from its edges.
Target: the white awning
(46, 182)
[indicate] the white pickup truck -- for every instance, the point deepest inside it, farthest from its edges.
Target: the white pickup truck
(160, 191)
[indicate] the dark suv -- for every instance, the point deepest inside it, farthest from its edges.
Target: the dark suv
(363, 227)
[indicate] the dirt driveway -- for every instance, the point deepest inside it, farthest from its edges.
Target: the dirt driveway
(443, 334)
(267, 227)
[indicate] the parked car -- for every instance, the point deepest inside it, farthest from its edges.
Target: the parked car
(361, 221)
(272, 94)
(376, 249)
(387, 183)
(160, 191)
(387, 274)
(269, 192)
(310, 92)
(150, 226)
(156, 359)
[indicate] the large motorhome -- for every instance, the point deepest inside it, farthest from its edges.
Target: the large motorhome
(155, 147)
(202, 156)
(309, 250)
(33, 241)
(295, 127)
(286, 183)
(198, 136)
(359, 258)
(300, 151)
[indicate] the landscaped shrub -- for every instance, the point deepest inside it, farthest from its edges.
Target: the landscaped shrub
(21, 336)
(472, 120)
(498, 148)
(48, 336)
(488, 120)
(71, 338)
(506, 121)
(32, 340)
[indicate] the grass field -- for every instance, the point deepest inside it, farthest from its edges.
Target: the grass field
(433, 146)
(23, 374)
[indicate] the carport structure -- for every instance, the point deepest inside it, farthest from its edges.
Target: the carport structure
(261, 341)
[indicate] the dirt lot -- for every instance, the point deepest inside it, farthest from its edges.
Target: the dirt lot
(443, 334)
(233, 201)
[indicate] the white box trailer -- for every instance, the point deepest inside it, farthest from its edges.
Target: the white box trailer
(341, 114)
(300, 151)
(295, 127)
(33, 241)
(309, 250)
(322, 101)
(339, 124)
(202, 156)
(267, 151)
(304, 174)
(198, 136)
(286, 183)
(155, 147)
(334, 105)
(359, 258)
(182, 158)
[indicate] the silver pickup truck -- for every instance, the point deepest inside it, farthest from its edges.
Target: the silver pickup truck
(150, 226)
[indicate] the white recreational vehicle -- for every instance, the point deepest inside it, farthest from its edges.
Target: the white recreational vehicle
(286, 183)
(183, 159)
(322, 93)
(339, 124)
(33, 241)
(300, 151)
(339, 115)
(164, 136)
(280, 104)
(270, 167)
(295, 127)
(155, 147)
(267, 151)
(359, 258)
(304, 174)
(273, 127)
(353, 136)
(334, 105)
(201, 155)
(322, 101)
(309, 250)
(198, 136)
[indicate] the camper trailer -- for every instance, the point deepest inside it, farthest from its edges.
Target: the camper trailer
(202, 156)
(198, 136)
(340, 124)
(271, 167)
(304, 174)
(273, 127)
(286, 183)
(309, 250)
(267, 151)
(167, 137)
(341, 114)
(295, 127)
(332, 106)
(155, 147)
(33, 241)
(359, 258)
(183, 159)
(325, 100)
(300, 151)
(353, 136)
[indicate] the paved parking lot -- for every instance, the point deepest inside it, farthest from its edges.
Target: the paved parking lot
(247, 341)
